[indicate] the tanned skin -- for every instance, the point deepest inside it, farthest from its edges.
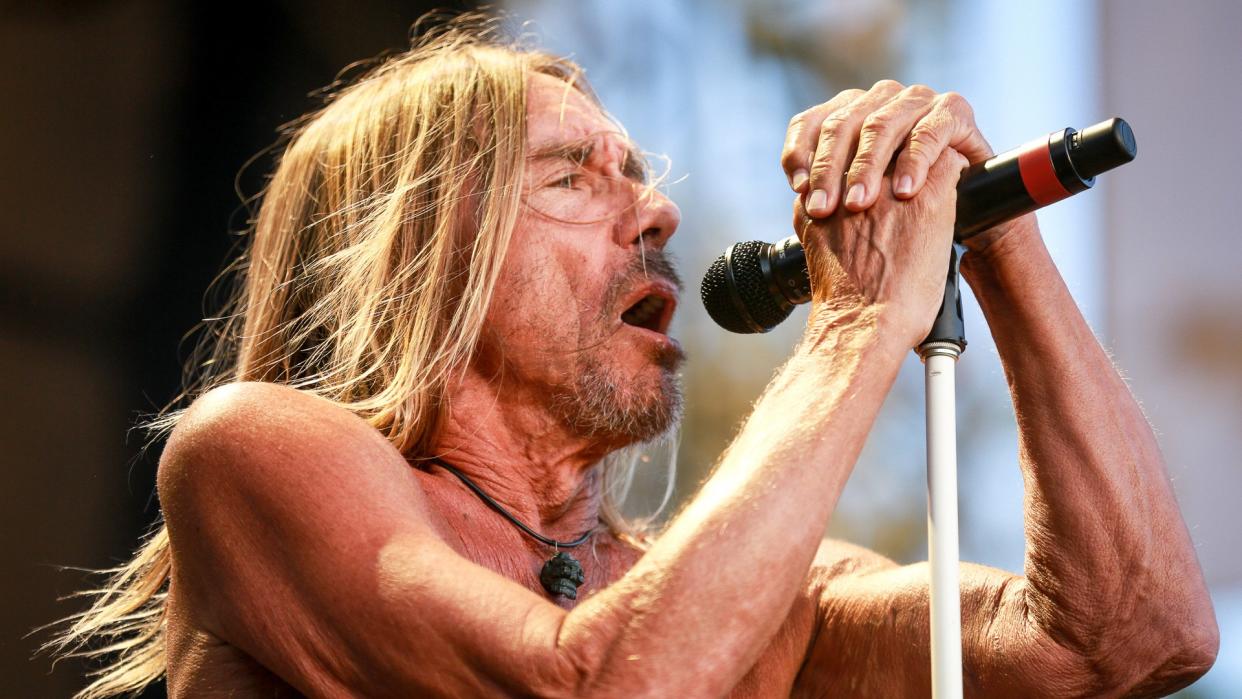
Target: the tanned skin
(311, 557)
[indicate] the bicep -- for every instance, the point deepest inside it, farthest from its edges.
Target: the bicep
(875, 629)
(310, 550)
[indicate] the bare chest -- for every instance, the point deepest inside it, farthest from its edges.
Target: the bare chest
(486, 538)
(483, 536)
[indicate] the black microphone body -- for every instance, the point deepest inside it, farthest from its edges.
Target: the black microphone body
(754, 285)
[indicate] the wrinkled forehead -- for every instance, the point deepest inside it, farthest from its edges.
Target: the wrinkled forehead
(559, 119)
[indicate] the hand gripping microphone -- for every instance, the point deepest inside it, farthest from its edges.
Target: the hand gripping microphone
(754, 285)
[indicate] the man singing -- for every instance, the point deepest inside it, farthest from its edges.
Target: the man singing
(397, 477)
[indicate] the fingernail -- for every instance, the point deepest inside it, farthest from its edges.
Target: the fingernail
(856, 195)
(818, 201)
(799, 178)
(905, 186)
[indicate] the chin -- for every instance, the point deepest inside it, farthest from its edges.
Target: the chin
(619, 405)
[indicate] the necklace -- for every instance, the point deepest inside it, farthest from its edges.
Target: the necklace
(562, 573)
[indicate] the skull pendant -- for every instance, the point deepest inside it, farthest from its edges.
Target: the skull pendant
(562, 575)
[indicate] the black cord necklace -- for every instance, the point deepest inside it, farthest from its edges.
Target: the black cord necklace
(562, 573)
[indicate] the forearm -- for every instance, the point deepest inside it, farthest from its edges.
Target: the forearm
(693, 615)
(1107, 551)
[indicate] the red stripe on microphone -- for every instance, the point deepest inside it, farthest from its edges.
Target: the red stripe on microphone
(1038, 175)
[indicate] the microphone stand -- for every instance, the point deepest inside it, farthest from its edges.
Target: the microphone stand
(771, 279)
(940, 352)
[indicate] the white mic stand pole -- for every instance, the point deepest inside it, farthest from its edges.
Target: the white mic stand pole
(939, 353)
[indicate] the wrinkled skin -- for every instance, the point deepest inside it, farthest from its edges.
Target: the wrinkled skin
(310, 557)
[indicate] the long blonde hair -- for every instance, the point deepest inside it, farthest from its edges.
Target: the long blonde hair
(372, 261)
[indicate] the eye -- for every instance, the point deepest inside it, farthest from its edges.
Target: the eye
(567, 181)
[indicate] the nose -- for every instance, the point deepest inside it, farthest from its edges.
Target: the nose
(656, 219)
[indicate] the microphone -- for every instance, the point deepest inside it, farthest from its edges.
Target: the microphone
(754, 285)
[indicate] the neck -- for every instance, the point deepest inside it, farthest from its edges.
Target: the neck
(523, 457)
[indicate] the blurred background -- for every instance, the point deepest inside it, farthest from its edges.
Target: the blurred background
(125, 125)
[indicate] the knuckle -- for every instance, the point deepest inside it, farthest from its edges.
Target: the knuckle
(862, 169)
(863, 163)
(954, 102)
(822, 175)
(834, 123)
(919, 91)
(851, 94)
(875, 125)
(886, 85)
(820, 170)
(916, 154)
(791, 158)
(923, 136)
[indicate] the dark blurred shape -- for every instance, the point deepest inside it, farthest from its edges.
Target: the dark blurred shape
(124, 127)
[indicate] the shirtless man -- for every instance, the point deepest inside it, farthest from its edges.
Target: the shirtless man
(316, 545)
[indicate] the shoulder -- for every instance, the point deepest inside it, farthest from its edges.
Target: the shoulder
(247, 410)
(262, 435)
(836, 558)
(287, 516)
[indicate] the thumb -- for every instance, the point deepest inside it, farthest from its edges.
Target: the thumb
(943, 175)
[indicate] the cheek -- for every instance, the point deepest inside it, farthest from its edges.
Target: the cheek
(544, 294)
(582, 294)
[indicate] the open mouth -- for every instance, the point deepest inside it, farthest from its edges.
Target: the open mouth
(653, 311)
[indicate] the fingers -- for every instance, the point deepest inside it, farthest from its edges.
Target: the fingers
(943, 174)
(949, 123)
(838, 134)
(850, 142)
(880, 135)
(803, 134)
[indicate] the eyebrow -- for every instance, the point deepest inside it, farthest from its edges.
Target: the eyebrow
(579, 152)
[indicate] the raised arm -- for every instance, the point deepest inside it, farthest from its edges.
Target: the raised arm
(306, 541)
(1111, 573)
(1112, 602)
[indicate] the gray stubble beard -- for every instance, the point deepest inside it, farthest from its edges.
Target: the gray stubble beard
(600, 403)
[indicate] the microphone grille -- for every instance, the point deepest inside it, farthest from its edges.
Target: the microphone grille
(719, 302)
(749, 307)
